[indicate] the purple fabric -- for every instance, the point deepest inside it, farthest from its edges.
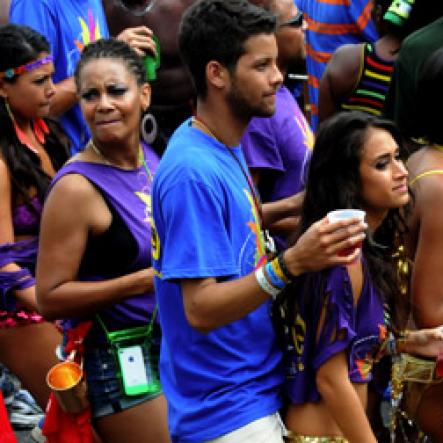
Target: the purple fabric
(128, 191)
(14, 280)
(281, 143)
(24, 254)
(359, 329)
(26, 221)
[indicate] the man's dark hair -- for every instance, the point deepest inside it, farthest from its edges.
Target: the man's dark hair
(217, 30)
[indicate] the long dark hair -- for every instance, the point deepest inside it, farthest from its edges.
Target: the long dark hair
(333, 182)
(20, 45)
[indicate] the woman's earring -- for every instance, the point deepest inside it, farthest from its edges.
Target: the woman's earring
(149, 128)
(8, 110)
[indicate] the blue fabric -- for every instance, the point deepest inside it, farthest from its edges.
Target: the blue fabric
(206, 227)
(351, 24)
(69, 25)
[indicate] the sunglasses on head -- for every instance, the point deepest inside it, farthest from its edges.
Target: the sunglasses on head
(296, 21)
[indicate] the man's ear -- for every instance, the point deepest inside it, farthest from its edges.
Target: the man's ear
(216, 75)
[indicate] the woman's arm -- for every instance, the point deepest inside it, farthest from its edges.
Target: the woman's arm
(342, 400)
(25, 296)
(339, 79)
(427, 275)
(73, 211)
(426, 342)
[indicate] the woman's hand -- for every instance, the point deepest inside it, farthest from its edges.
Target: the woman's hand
(425, 342)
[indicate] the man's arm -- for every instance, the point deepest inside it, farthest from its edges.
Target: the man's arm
(210, 304)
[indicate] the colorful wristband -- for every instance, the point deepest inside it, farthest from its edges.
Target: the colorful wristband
(273, 277)
(264, 283)
(284, 269)
(276, 267)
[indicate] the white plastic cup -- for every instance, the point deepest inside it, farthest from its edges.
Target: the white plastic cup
(345, 214)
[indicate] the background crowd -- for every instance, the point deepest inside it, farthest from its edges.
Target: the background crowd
(166, 191)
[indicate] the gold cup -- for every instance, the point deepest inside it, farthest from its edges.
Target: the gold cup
(67, 382)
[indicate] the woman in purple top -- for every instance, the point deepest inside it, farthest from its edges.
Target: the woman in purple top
(95, 258)
(336, 319)
(32, 148)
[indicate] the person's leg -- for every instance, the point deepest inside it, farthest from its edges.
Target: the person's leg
(143, 423)
(29, 352)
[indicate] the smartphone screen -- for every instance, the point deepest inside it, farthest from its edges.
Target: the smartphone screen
(132, 365)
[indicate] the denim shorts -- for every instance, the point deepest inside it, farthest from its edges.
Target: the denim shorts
(105, 391)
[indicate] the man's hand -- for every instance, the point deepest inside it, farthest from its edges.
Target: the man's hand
(319, 246)
(140, 39)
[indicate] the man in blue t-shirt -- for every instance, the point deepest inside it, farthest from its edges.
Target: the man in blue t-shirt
(220, 363)
(69, 25)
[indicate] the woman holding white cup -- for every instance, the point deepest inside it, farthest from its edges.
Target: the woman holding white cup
(335, 322)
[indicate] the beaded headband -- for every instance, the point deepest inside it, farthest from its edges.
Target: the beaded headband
(11, 72)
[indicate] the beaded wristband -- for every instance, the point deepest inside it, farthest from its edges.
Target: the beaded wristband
(284, 269)
(273, 277)
(264, 283)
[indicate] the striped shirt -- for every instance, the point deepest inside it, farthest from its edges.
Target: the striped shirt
(373, 83)
(332, 23)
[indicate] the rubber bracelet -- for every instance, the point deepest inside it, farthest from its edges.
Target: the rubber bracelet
(283, 267)
(273, 277)
(276, 267)
(264, 283)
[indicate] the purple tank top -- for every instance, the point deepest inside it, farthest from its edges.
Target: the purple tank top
(359, 329)
(129, 193)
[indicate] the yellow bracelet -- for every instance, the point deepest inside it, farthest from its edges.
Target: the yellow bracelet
(278, 270)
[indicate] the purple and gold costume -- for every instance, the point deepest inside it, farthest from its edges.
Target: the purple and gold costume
(359, 329)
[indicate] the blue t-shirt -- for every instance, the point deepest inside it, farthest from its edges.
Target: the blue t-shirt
(206, 225)
(68, 25)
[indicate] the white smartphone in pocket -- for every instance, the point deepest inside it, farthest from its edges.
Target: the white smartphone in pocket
(133, 370)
